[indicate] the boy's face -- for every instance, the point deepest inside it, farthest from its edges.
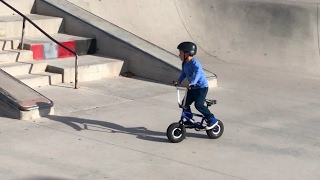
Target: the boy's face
(183, 55)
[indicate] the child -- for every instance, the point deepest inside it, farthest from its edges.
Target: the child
(198, 84)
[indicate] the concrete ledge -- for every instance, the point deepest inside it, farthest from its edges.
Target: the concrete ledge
(91, 67)
(12, 112)
(37, 113)
(17, 97)
(144, 59)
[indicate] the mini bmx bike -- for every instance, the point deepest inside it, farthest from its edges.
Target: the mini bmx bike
(176, 132)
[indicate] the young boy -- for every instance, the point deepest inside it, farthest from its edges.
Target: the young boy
(198, 84)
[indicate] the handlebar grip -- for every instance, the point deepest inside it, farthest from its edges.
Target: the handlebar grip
(174, 83)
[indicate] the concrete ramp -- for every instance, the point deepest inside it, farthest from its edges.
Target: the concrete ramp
(19, 101)
(277, 35)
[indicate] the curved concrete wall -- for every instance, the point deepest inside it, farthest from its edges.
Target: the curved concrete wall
(277, 35)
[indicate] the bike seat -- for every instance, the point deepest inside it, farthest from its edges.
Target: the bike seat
(211, 102)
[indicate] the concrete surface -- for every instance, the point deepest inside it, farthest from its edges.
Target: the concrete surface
(115, 128)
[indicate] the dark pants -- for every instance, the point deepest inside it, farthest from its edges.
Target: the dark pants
(198, 96)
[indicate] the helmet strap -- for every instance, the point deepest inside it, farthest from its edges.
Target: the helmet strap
(185, 58)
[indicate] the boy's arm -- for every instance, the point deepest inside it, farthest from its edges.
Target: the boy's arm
(182, 77)
(197, 74)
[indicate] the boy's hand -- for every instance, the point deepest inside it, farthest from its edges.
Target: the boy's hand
(189, 86)
(176, 82)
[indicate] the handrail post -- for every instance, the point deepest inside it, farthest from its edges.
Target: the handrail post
(22, 36)
(76, 73)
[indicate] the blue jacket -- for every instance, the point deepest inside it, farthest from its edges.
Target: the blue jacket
(194, 73)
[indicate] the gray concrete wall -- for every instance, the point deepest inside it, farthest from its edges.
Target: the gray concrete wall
(143, 58)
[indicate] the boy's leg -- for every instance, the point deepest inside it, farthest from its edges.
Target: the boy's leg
(189, 101)
(200, 96)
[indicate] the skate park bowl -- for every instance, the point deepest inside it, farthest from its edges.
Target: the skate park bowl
(264, 53)
(275, 35)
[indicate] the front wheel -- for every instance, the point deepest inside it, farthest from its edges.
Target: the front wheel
(217, 131)
(176, 132)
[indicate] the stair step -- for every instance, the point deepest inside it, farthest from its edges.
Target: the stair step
(2, 34)
(24, 8)
(91, 67)
(40, 79)
(11, 23)
(8, 44)
(45, 48)
(22, 68)
(15, 55)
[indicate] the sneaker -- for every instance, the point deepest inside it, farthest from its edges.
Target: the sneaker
(211, 125)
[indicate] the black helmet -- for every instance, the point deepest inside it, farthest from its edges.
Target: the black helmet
(189, 47)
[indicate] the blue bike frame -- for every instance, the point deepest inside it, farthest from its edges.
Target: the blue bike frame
(185, 114)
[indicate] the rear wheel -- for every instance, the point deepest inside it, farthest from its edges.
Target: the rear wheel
(176, 132)
(217, 131)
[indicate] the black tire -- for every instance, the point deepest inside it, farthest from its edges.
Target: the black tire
(217, 131)
(176, 132)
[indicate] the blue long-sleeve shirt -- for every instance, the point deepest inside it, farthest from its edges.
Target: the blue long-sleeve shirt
(194, 73)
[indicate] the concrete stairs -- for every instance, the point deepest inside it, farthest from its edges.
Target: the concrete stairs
(42, 62)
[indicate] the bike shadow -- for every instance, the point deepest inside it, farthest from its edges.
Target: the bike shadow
(81, 124)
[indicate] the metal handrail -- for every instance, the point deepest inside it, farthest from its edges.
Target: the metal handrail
(36, 26)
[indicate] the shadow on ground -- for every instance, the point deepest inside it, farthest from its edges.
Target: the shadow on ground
(80, 124)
